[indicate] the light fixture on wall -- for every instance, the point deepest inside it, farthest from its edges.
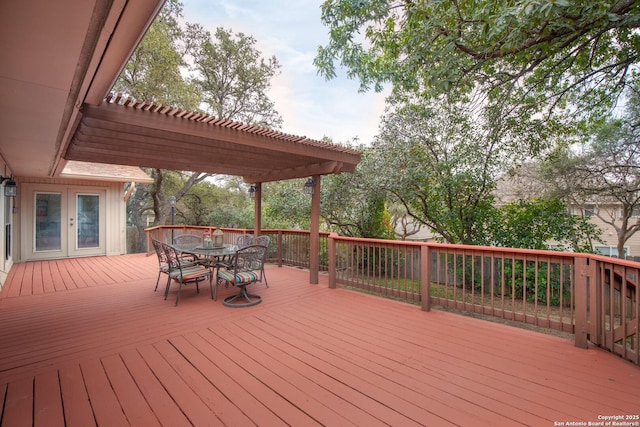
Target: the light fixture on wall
(252, 191)
(10, 188)
(309, 186)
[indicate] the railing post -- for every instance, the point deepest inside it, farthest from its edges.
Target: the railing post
(581, 301)
(279, 248)
(331, 251)
(425, 278)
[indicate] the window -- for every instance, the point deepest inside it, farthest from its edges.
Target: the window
(589, 210)
(610, 250)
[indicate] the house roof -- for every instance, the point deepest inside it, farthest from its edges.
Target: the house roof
(60, 60)
(105, 172)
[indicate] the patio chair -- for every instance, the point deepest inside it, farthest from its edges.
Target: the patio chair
(244, 240)
(163, 264)
(183, 272)
(263, 241)
(247, 268)
(187, 241)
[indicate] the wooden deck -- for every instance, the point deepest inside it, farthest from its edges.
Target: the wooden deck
(88, 342)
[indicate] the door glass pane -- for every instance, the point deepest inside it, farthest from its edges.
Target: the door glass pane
(88, 221)
(8, 202)
(48, 217)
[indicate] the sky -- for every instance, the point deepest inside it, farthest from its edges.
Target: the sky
(291, 30)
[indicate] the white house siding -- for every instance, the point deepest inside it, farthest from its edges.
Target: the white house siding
(115, 211)
(609, 235)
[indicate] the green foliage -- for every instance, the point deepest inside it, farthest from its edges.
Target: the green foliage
(354, 206)
(512, 278)
(153, 72)
(285, 205)
(440, 165)
(233, 77)
(551, 285)
(535, 223)
(526, 56)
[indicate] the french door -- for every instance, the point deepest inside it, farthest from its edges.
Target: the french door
(66, 223)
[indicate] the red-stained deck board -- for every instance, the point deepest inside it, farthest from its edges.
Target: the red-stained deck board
(161, 404)
(68, 278)
(413, 376)
(187, 400)
(234, 369)
(267, 369)
(392, 394)
(298, 397)
(226, 388)
(18, 403)
(205, 387)
(77, 409)
(134, 405)
(100, 346)
(47, 404)
(105, 405)
(38, 282)
(341, 397)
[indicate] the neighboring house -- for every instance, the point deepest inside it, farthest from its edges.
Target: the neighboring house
(602, 213)
(524, 185)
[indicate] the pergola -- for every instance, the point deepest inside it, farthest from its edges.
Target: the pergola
(126, 131)
(55, 106)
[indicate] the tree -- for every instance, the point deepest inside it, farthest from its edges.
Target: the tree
(154, 71)
(153, 201)
(535, 223)
(233, 77)
(158, 71)
(440, 163)
(350, 205)
(606, 172)
(353, 207)
(285, 205)
(534, 60)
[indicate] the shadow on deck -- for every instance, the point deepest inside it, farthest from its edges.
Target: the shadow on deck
(88, 342)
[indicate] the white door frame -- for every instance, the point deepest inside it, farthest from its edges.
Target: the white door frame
(68, 222)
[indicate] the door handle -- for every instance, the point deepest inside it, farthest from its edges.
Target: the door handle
(70, 222)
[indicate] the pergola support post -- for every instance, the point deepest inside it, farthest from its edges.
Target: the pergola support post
(314, 238)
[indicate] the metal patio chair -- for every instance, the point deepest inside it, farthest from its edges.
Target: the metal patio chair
(183, 272)
(247, 268)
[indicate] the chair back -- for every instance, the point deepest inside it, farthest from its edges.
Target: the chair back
(262, 241)
(162, 257)
(249, 259)
(173, 257)
(187, 241)
(244, 240)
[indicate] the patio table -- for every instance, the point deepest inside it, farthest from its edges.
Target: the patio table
(211, 257)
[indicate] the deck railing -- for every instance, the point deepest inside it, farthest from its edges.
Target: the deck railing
(593, 297)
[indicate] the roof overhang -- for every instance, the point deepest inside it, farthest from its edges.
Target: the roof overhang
(56, 56)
